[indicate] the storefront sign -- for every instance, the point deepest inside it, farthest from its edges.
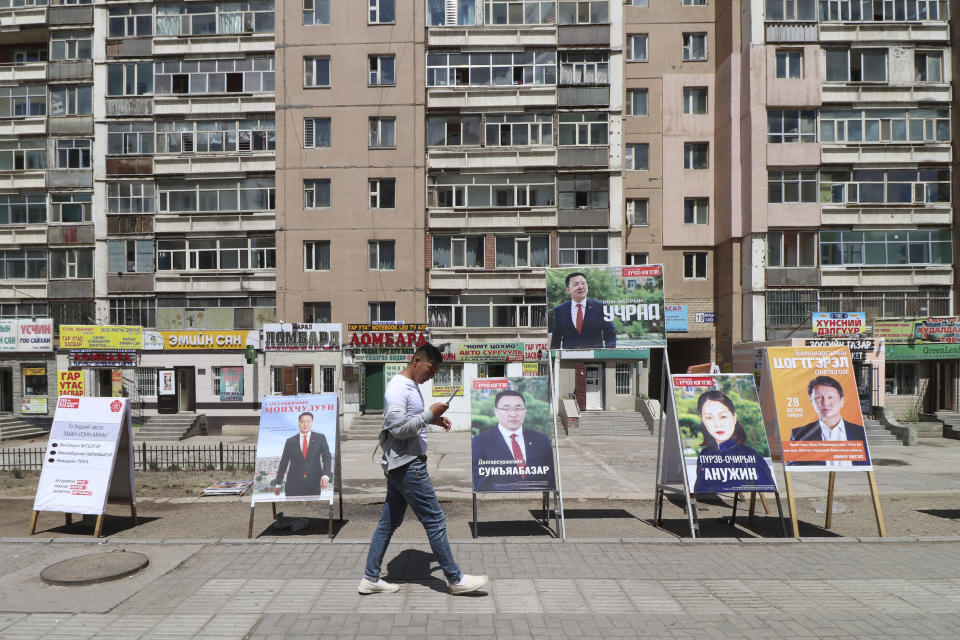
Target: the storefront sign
(34, 371)
(33, 405)
(69, 383)
(445, 391)
(677, 317)
(201, 339)
(378, 355)
(859, 348)
(88, 336)
(839, 323)
(531, 369)
(894, 331)
(926, 351)
(705, 317)
(386, 335)
(937, 330)
(231, 383)
(456, 351)
(301, 337)
(26, 335)
(108, 359)
(152, 341)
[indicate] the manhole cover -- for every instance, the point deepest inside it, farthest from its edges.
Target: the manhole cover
(94, 568)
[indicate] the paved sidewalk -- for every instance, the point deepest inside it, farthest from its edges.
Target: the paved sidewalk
(841, 589)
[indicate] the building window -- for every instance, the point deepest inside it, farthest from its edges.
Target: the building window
(507, 311)
(442, 13)
(130, 21)
(316, 12)
(856, 65)
(624, 379)
(638, 157)
(885, 125)
(316, 133)
(805, 10)
(790, 63)
(519, 130)
(130, 256)
(316, 72)
(791, 248)
(70, 45)
(130, 79)
(637, 102)
(28, 56)
(457, 130)
(146, 380)
(694, 100)
(381, 71)
(791, 186)
(484, 191)
(129, 138)
(694, 47)
(23, 101)
(316, 255)
(316, 312)
(242, 75)
(638, 212)
(635, 3)
(637, 47)
(589, 191)
(381, 311)
(791, 125)
(382, 255)
(383, 133)
(72, 206)
(251, 16)
(523, 251)
(791, 309)
(929, 66)
(214, 196)
(584, 68)
(73, 154)
(510, 11)
(583, 12)
(130, 197)
(71, 100)
(695, 265)
(637, 259)
(23, 154)
(382, 12)
(34, 380)
(901, 378)
(23, 264)
(26, 208)
(696, 155)
(535, 67)
(696, 210)
(583, 129)
(912, 10)
(216, 136)
(886, 248)
(451, 252)
(582, 248)
(71, 263)
(208, 254)
(449, 376)
(886, 186)
(316, 193)
(383, 193)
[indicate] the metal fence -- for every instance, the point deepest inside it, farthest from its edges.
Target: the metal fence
(152, 457)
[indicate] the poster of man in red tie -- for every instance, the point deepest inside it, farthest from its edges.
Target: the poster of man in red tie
(296, 449)
(512, 443)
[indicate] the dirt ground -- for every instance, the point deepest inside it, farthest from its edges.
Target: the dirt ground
(169, 506)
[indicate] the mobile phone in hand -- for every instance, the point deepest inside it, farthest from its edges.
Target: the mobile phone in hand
(452, 395)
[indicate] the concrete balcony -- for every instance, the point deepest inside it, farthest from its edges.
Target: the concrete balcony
(845, 93)
(897, 216)
(220, 105)
(69, 178)
(580, 35)
(899, 276)
(793, 277)
(23, 289)
(492, 97)
(17, 180)
(494, 281)
(584, 96)
(70, 15)
(488, 334)
(70, 125)
(584, 217)
(73, 288)
(22, 18)
(493, 36)
(129, 165)
(58, 71)
(886, 152)
(119, 107)
(216, 281)
(165, 164)
(884, 32)
(70, 234)
(482, 219)
(130, 283)
(17, 127)
(20, 235)
(793, 32)
(17, 73)
(216, 45)
(218, 223)
(584, 157)
(507, 158)
(129, 47)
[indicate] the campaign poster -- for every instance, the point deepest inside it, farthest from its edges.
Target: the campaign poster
(166, 379)
(296, 449)
(818, 409)
(231, 383)
(722, 434)
(606, 307)
(83, 466)
(512, 443)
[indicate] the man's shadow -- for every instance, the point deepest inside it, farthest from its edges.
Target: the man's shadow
(412, 566)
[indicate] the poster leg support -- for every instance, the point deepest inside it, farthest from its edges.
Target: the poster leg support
(330, 522)
(788, 481)
(875, 496)
(658, 508)
(273, 508)
(733, 514)
(98, 527)
(763, 503)
(753, 508)
(68, 518)
(692, 515)
(476, 528)
(250, 527)
(831, 480)
(33, 522)
(783, 523)
(133, 513)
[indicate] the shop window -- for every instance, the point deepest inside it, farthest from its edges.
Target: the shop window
(34, 381)
(624, 378)
(901, 378)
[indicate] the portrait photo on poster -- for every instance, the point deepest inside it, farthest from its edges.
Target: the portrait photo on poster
(818, 412)
(296, 449)
(512, 435)
(722, 434)
(606, 307)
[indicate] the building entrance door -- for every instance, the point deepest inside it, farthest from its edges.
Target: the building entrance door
(186, 389)
(6, 390)
(373, 387)
(594, 387)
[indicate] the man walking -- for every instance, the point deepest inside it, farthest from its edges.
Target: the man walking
(403, 440)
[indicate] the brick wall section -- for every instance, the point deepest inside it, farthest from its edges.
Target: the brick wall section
(427, 258)
(490, 251)
(114, 48)
(554, 248)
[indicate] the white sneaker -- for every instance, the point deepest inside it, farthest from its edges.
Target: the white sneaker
(468, 584)
(379, 586)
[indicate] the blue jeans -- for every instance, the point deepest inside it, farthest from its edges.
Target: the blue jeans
(410, 485)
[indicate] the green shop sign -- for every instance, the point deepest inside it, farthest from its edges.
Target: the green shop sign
(928, 351)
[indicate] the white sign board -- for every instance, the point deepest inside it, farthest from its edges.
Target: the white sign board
(82, 468)
(26, 335)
